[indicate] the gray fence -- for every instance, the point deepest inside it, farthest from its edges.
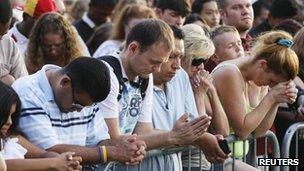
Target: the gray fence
(291, 131)
(268, 135)
(231, 138)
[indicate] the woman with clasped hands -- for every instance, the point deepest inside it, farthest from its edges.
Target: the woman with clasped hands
(251, 87)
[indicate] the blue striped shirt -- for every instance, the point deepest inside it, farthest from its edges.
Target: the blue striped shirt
(45, 125)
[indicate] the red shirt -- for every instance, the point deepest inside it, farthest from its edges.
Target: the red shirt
(247, 42)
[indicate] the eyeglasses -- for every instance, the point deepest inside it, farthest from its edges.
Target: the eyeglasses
(57, 45)
(198, 61)
(75, 105)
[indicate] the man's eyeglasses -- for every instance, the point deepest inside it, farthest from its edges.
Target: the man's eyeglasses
(198, 61)
(75, 105)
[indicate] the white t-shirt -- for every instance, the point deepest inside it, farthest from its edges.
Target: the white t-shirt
(131, 108)
(106, 48)
(19, 38)
(13, 150)
(11, 61)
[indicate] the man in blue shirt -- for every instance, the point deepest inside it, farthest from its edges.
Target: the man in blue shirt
(173, 97)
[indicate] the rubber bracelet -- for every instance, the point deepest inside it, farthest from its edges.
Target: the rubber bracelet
(101, 154)
(105, 155)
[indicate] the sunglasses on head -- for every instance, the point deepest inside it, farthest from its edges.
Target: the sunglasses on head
(198, 61)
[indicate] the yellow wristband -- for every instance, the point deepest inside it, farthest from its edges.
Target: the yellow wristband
(105, 155)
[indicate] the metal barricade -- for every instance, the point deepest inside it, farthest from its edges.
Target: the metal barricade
(268, 135)
(230, 139)
(291, 131)
(152, 153)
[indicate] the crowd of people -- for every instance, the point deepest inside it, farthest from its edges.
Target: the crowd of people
(87, 82)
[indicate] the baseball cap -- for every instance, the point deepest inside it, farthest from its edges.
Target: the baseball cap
(36, 8)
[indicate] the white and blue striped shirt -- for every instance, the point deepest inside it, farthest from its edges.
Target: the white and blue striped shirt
(45, 125)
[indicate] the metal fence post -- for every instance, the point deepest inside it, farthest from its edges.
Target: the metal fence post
(269, 134)
(287, 140)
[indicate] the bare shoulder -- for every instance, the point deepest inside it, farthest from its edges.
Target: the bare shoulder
(227, 75)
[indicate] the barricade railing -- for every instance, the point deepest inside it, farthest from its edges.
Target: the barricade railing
(268, 135)
(291, 131)
(153, 153)
(230, 139)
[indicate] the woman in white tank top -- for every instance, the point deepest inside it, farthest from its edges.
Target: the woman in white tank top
(273, 64)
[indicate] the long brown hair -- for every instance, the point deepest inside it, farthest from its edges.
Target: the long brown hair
(129, 12)
(50, 23)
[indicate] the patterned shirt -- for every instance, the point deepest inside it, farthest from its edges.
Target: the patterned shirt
(247, 43)
(131, 108)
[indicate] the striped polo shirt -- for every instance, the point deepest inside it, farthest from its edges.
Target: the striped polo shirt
(45, 125)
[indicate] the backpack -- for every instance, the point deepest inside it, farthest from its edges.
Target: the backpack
(142, 83)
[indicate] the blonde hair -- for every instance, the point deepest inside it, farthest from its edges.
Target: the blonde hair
(128, 13)
(298, 48)
(219, 30)
(281, 59)
(197, 44)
